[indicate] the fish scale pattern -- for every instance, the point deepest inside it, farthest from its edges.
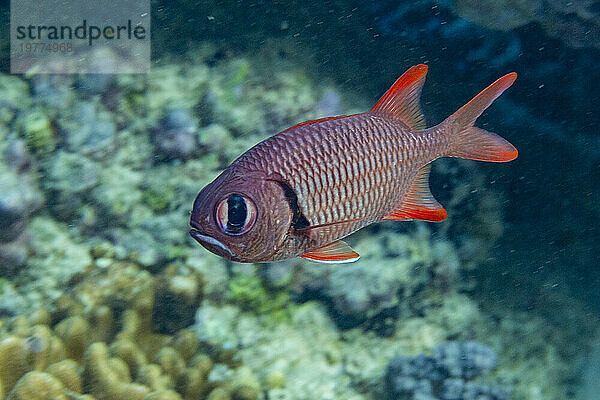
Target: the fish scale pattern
(354, 169)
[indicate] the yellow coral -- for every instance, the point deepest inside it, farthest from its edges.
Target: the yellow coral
(110, 354)
(14, 362)
(163, 395)
(75, 333)
(38, 386)
(67, 372)
(106, 382)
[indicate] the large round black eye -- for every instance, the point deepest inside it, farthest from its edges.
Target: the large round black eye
(236, 214)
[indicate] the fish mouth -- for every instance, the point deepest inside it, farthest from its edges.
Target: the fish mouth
(208, 241)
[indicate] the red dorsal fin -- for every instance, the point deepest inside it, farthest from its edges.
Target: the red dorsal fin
(337, 252)
(313, 121)
(402, 99)
(419, 202)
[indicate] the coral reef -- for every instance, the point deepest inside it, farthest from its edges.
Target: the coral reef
(446, 375)
(108, 340)
(399, 265)
(175, 137)
(20, 197)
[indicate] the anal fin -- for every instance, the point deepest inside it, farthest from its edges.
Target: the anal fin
(419, 203)
(337, 252)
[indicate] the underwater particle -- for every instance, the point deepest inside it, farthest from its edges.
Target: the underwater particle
(38, 386)
(175, 135)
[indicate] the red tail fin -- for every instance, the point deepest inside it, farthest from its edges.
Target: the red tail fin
(475, 143)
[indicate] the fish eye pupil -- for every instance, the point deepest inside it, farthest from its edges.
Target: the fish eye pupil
(236, 213)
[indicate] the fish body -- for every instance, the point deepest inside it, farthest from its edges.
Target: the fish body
(300, 191)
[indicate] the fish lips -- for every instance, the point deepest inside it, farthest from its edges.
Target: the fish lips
(211, 244)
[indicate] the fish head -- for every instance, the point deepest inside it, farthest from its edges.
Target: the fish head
(243, 217)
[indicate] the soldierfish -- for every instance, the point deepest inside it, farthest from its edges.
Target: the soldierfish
(299, 192)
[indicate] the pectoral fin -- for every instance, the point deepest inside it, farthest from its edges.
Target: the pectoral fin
(337, 252)
(419, 203)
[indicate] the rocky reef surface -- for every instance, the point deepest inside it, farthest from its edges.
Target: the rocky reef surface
(104, 296)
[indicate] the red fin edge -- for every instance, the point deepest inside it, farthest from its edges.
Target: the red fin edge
(419, 203)
(476, 143)
(314, 121)
(402, 99)
(420, 214)
(337, 252)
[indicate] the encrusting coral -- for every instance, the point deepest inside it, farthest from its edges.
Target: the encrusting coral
(101, 342)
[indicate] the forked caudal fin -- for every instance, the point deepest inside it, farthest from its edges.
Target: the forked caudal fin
(476, 143)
